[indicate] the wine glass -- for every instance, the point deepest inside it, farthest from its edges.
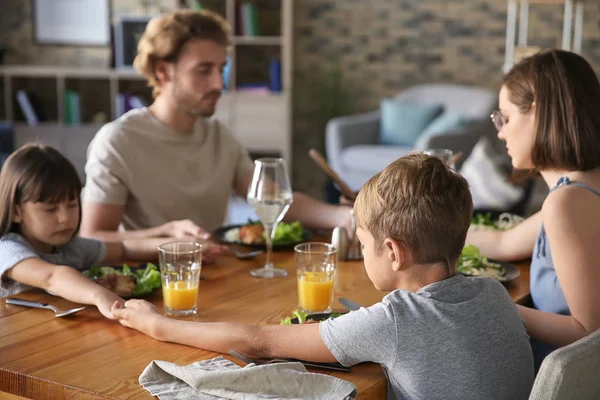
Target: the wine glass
(270, 194)
(445, 155)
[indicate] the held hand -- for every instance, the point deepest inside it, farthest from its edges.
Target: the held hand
(184, 228)
(137, 314)
(105, 301)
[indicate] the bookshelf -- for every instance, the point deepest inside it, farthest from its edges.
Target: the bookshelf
(260, 119)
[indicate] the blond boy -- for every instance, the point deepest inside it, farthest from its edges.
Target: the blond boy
(437, 335)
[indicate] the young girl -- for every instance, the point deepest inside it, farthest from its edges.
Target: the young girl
(550, 122)
(39, 219)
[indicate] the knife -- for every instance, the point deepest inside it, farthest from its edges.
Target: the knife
(330, 366)
(349, 304)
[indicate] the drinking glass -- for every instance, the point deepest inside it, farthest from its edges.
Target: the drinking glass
(315, 270)
(443, 154)
(180, 265)
(270, 194)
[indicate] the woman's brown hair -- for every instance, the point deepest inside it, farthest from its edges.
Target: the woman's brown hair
(35, 173)
(166, 35)
(566, 92)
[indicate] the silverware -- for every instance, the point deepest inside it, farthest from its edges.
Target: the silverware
(349, 304)
(329, 366)
(35, 304)
(245, 256)
(339, 238)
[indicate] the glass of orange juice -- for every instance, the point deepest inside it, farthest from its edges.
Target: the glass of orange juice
(315, 270)
(180, 264)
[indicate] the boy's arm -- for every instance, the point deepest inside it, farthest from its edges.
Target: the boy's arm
(64, 281)
(296, 341)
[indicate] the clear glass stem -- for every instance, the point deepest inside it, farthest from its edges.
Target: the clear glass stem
(269, 232)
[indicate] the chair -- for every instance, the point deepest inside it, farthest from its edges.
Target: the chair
(352, 142)
(570, 372)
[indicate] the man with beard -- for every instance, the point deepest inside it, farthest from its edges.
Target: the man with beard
(168, 170)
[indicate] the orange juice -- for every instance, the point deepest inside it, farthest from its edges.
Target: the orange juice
(180, 295)
(315, 290)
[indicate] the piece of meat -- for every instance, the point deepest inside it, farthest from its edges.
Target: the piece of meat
(121, 285)
(252, 234)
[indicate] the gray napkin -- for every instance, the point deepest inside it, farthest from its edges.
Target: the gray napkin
(219, 378)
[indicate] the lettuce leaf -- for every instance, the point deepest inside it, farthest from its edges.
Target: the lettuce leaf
(147, 280)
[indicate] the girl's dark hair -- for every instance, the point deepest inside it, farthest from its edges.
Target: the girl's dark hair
(566, 92)
(35, 173)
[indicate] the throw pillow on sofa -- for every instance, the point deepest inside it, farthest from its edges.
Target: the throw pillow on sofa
(447, 122)
(402, 123)
(487, 179)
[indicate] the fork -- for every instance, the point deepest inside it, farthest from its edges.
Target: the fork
(35, 304)
(328, 366)
(245, 256)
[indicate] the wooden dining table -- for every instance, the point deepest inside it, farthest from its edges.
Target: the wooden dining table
(86, 356)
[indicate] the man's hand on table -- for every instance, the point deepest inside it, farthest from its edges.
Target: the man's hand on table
(182, 229)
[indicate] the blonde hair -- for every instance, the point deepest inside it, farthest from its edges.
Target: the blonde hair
(166, 35)
(420, 201)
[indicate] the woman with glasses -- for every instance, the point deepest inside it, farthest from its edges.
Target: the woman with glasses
(549, 118)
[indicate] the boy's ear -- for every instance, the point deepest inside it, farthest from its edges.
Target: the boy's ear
(17, 215)
(397, 253)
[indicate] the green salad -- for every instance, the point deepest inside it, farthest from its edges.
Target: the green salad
(287, 233)
(471, 262)
(485, 222)
(146, 279)
(303, 317)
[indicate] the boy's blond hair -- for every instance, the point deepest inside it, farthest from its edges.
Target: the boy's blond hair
(166, 35)
(420, 201)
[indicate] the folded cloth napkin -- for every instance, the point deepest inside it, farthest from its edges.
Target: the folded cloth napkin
(219, 378)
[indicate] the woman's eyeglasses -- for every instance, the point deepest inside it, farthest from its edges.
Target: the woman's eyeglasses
(498, 119)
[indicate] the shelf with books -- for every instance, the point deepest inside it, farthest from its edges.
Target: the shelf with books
(86, 100)
(258, 68)
(31, 101)
(259, 117)
(257, 17)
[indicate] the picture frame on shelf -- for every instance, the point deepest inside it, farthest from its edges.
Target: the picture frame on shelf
(127, 33)
(73, 23)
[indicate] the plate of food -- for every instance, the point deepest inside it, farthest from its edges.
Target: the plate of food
(252, 234)
(126, 281)
(485, 222)
(472, 263)
(302, 317)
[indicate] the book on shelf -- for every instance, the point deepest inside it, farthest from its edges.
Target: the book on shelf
(127, 101)
(256, 88)
(249, 20)
(6, 141)
(275, 76)
(72, 108)
(29, 105)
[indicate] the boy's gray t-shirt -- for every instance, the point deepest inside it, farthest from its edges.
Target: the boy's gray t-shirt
(460, 338)
(79, 253)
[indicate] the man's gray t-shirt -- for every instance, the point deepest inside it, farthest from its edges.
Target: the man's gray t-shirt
(79, 253)
(459, 338)
(159, 175)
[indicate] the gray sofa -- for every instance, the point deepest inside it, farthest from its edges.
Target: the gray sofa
(352, 142)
